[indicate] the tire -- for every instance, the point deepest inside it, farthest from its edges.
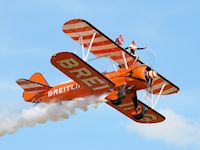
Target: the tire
(118, 101)
(142, 114)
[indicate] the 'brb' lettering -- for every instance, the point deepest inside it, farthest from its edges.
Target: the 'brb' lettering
(85, 75)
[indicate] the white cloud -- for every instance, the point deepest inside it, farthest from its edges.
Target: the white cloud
(175, 130)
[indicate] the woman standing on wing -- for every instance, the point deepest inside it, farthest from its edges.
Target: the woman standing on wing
(133, 48)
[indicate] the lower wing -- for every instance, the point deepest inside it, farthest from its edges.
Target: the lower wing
(82, 73)
(127, 107)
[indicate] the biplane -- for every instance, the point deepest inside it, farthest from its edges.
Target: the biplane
(120, 85)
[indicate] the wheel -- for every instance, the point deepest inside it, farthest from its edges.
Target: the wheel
(118, 101)
(141, 115)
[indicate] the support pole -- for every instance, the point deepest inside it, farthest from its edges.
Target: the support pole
(82, 47)
(124, 58)
(89, 48)
(161, 90)
(152, 103)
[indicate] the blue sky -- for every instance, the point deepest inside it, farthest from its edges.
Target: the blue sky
(31, 33)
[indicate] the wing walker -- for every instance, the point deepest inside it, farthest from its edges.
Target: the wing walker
(120, 85)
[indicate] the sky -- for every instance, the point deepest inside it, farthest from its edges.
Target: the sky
(31, 32)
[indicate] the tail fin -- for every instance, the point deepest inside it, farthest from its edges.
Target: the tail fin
(32, 87)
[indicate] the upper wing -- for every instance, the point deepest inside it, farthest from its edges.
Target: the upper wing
(102, 45)
(81, 72)
(169, 87)
(127, 107)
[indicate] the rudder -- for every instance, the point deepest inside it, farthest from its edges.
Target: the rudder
(37, 77)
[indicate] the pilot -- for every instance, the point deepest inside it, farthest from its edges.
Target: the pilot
(133, 48)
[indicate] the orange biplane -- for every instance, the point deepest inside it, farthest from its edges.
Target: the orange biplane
(121, 85)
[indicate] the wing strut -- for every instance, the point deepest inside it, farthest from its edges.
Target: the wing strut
(91, 42)
(82, 46)
(81, 42)
(154, 105)
(124, 58)
(152, 100)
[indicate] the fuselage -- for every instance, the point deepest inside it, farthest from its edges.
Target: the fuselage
(134, 77)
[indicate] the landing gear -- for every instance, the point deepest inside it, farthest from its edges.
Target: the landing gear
(129, 90)
(119, 100)
(140, 111)
(135, 102)
(120, 95)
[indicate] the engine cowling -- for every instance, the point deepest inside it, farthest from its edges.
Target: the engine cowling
(141, 77)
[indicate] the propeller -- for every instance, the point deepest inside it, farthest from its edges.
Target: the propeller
(150, 57)
(150, 75)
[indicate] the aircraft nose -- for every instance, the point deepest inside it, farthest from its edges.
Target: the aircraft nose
(152, 74)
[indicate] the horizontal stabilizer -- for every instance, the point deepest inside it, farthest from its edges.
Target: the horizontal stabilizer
(31, 86)
(34, 86)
